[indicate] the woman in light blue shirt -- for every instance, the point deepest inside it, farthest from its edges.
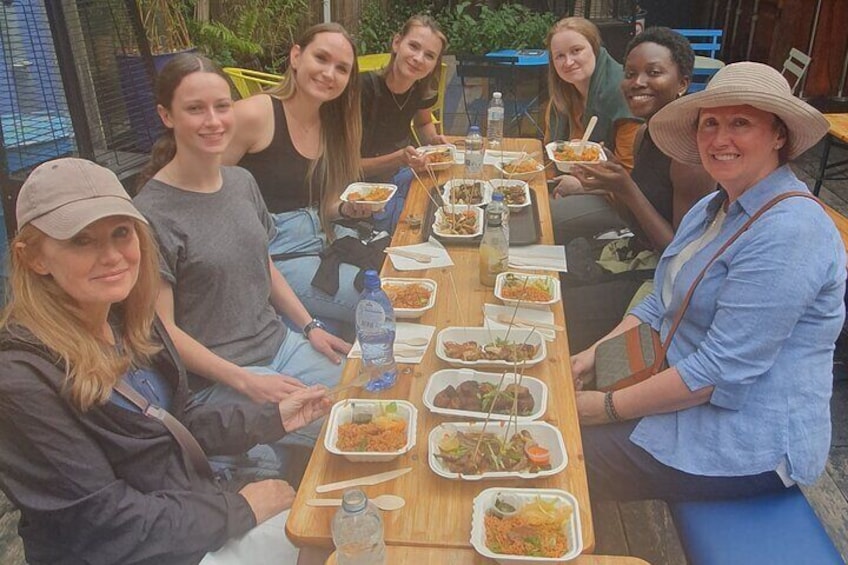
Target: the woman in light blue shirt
(744, 406)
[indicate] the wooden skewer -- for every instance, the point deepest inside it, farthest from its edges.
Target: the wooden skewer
(420, 257)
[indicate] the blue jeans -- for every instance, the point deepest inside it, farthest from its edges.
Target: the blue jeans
(295, 358)
(620, 470)
(299, 231)
(387, 219)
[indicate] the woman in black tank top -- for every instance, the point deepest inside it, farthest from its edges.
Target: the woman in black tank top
(301, 141)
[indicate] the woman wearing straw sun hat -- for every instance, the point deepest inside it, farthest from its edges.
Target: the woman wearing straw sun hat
(744, 406)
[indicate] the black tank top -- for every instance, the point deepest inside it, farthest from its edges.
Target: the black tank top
(279, 169)
(651, 174)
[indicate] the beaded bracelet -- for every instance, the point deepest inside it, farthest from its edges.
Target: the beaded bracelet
(609, 408)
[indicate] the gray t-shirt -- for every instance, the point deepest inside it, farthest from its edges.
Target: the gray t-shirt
(214, 252)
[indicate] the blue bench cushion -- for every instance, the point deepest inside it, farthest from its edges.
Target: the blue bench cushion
(772, 529)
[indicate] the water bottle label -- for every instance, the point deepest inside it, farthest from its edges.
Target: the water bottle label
(496, 113)
(370, 315)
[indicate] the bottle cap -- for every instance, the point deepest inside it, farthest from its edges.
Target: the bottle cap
(497, 196)
(354, 500)
(371, 279)
(496, 95)
(473, 129)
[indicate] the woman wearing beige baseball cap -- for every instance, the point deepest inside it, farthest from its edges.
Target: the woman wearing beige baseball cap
(744, 406)
(100, 472)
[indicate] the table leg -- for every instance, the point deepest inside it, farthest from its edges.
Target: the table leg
(822, 165)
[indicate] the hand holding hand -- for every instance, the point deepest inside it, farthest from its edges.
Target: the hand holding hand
(304, 406)
(268, 498)
(269, 388)
(332, 347)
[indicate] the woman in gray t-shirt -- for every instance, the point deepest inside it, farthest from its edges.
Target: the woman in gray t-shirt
(220, 296)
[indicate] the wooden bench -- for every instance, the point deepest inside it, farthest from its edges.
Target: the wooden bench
(778, 529)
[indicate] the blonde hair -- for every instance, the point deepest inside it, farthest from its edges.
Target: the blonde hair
(564, 95)
(38, 304)
(429, 85)
(341, 129)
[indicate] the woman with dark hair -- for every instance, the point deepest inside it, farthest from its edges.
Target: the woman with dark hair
(301, 141)
(392, 97)
(220, 296)
(744, 405)
(101, 471)
(652, 199)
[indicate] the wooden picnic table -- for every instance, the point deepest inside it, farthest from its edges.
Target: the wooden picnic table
(438, 510)
(405, 555)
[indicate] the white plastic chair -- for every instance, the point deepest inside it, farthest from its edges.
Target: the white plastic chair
(795, 65)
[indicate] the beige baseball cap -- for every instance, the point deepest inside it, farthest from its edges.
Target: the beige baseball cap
(63, 196)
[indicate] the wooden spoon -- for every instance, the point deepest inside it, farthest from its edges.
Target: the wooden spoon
(386, 502)
(590, 127)
(413, 341)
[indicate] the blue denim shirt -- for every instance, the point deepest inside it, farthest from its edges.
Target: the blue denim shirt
(760, 328)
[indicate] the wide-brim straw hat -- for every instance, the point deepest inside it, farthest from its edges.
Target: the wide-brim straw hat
(754, 84)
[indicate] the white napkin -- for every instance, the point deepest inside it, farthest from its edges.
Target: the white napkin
(493, 156)
(543, 257)
(492, 311)
(404, 353)
(431, 247)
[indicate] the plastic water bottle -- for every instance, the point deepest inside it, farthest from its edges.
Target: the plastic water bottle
(494, 249)
(473, 153)
(375, 330)
(498, 206)
(495, 123)
(358, 531)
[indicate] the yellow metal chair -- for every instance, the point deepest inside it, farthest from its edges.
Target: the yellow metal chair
(373, 62)
(249, 82)
(437, 114)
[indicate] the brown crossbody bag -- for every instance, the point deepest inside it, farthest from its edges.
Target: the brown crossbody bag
(637, 353)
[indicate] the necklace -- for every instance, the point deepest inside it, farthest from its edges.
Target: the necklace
(405, 101)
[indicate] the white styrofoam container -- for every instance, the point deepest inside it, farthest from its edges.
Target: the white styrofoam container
(488, 335)
(413, 313)
(342, 413)
(485, 190)
(457, 209)
(364, 187)
(545, 435)
(553, 288)
(565, 166)
(444, 164)
(439, 380)
(499, 183)
(486, 500)
(499, 165)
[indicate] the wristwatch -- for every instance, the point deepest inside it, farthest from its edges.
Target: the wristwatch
(315, 323)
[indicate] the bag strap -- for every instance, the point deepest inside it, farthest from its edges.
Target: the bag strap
(685, 304)
(183, 436)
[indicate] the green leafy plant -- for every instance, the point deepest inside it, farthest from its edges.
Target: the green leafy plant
(377, 25)
(255, 34)
(475, 28)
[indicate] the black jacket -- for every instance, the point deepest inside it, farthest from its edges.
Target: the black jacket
(111, 485)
